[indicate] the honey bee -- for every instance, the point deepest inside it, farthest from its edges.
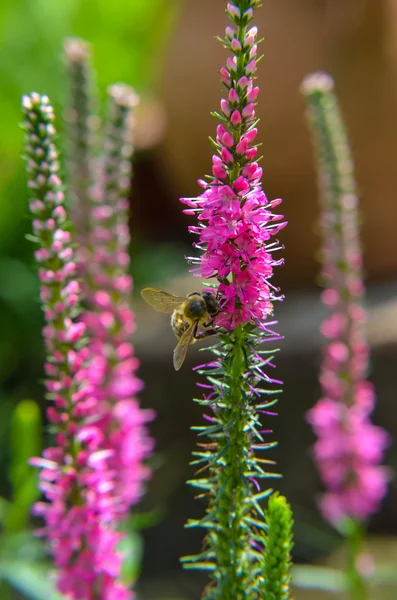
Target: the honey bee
(188, 315)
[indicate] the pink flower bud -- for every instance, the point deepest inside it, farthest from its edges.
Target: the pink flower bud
(253, 94)
(228, 140)
(233, 97)
(102, 299)
(251, 135)
(225, 76)
(42, 255)
(249, 170)
(225, 109)
(233, 11)
(75, 332)
(54, 180)
(219, 172)
(338, 351)
(241, 184)
(242, 82)
(60, 214)
(36, 206)
(220, 131)
(250, 68)
(251, 153)
(231, 64)
(227, 156)
(235, 118)
(235, 45)
(249, 110)
(251, 36)
(230, 32)
(242, 146)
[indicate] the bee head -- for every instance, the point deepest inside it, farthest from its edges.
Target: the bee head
(212, 303)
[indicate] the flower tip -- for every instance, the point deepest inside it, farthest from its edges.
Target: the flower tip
(76, 50)
(123, 95)
(317, 82)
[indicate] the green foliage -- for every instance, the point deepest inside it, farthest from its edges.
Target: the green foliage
(278, 545)
(25, 443)
(129, 38)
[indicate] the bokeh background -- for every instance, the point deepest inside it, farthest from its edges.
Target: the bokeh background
(167, 49)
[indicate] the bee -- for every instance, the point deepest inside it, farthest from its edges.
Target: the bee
(188, 316)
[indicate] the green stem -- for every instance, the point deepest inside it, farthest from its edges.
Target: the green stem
(231, 498)
(355, 543)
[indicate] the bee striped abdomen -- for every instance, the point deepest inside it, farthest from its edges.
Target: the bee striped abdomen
(179, 323)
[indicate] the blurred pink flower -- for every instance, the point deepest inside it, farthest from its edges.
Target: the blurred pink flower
(349, 448)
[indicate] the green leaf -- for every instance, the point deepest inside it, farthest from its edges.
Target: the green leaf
(30, 579)
(131, 549)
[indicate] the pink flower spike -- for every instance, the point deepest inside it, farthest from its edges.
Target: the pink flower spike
(349, 448)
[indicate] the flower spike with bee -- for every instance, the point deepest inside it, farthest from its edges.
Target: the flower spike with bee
(236, 220)
(236, 229)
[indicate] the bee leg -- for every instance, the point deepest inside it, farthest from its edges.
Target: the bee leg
(204, 334)
(209, 323)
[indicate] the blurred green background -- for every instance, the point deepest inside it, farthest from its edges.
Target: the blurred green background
(166, 49)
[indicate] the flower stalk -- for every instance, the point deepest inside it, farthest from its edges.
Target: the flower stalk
(109, 317)
(75, 477)
(236, 223)
(349, 448)
(81, 125)
(95, 471)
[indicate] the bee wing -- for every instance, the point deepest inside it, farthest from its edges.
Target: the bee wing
(182, 346)
(161, 301)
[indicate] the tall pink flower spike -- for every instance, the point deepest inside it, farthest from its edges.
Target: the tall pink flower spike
(237, 220)
(349, 448)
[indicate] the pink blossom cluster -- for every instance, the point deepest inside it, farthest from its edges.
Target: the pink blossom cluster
(349, 447)
(236, 220)
(348, 452)
(78, 476)
(109, 318)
